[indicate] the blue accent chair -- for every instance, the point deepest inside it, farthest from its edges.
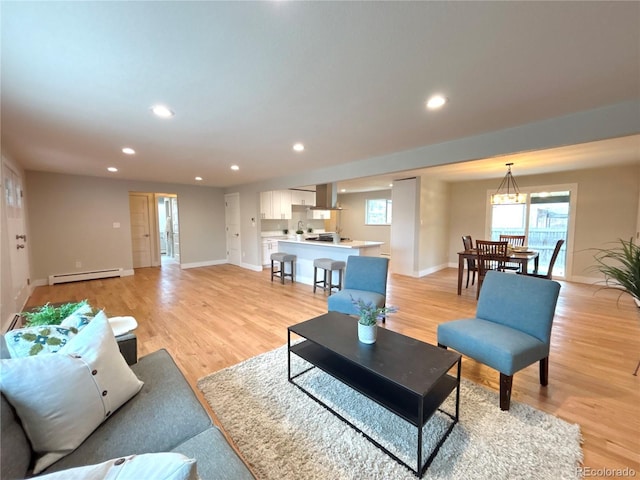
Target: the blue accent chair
(365, 278)
(512, 328)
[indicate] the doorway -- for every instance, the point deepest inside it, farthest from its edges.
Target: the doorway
(168, 228)
(232, 227)
(155, 229)
(16, 290)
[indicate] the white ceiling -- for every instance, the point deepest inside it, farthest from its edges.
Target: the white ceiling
(348, 79)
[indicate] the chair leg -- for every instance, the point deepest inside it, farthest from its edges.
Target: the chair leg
(293, 271)
(505, 390)
(473, 278)
(442, 346)
(544, 371)
(282, 271)
(315, 273)
(272, 270)
(468, 272)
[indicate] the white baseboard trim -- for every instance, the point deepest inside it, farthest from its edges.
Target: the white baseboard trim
(208, 263)
(255, 268)
(430, 270)
(591, 280)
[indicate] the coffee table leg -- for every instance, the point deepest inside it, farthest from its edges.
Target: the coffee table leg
(420, 425)
(289, 354)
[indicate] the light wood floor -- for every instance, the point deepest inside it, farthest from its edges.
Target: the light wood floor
(213, 317)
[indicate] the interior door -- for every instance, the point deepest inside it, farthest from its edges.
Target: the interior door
(16, 237)
(140, 230)
(175, 228)
(232, 225)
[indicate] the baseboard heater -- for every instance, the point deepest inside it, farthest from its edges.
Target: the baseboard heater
(79, 276)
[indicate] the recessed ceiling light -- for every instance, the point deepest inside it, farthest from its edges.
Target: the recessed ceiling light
(298, 147)
(343, 190)
(235, 167)
(128, 151)
(391, 184)
(199, 179)
(112, 169)
(436, 102)
(162, 111)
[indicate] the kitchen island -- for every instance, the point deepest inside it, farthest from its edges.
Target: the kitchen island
(307, 251)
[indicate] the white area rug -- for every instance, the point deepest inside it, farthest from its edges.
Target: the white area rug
(284, 434)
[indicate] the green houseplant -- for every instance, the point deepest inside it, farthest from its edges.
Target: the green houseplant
(368, 316)
(52, 315)
(621, 267)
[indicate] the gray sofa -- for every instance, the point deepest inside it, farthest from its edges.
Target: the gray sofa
(165, 416)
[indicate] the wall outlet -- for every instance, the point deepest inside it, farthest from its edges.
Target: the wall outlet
(116, 224)
(78, 264)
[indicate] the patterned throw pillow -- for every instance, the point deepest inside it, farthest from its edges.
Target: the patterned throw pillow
(36, 340)
(61, 398)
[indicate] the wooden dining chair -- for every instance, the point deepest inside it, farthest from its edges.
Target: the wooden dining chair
(514, 241)
(490, 256)
(472, 268)
(552, 262)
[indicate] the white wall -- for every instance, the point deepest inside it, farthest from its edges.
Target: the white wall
(434, 225)
(352, 218)
(71, 218)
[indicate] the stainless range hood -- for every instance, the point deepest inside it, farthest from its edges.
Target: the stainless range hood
(327, 197)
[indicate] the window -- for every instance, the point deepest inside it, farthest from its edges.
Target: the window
(544, 219)
(378, 212)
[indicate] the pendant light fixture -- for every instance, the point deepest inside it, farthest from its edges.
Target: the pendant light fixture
(511, 195)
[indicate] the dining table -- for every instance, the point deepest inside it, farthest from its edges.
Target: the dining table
(522, 258)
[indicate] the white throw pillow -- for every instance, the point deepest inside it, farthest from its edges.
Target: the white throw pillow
(62, 397)
(156, 466)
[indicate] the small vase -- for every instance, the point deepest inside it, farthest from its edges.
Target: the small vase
(367, 333)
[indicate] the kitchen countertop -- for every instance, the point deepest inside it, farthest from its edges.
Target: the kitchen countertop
(342, 244)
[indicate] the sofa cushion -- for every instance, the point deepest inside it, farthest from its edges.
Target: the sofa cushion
(62, 397)
(164, 414)
(216, 458)
(158, 466)
(15, 454)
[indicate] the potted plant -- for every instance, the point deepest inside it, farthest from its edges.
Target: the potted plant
(53, 314)
(368, 316)
(299, 233)
(621, 267)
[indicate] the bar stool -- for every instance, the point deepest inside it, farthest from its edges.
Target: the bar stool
(282, 258)
(328, 265)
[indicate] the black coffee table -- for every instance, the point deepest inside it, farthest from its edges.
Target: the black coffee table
(406, 376)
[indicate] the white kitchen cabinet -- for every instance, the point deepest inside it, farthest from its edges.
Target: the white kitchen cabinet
(275, 205)
(319, 214)
(269, 246)
(266, 205)
(282, 204)
(303, 197)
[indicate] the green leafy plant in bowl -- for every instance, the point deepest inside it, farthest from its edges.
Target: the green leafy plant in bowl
(369, 313)
(51, 315)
